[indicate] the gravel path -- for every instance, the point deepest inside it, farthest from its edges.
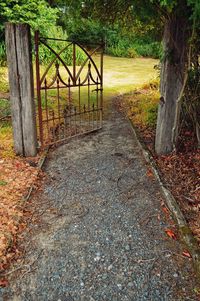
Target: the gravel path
(98, 230)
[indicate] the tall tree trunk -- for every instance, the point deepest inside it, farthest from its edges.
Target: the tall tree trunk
(173, 70)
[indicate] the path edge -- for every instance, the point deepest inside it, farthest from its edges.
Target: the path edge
(40, 164)
(186, 234)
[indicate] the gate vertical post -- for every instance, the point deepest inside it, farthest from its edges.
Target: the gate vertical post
(74, 63)
(19, 58)
(101, 86)
(39, 100)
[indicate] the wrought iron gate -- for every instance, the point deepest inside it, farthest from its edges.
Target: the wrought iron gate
(69, 95)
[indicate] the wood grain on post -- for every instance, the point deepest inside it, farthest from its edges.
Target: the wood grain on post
(18, 44)
(14, 88)
(24, 56)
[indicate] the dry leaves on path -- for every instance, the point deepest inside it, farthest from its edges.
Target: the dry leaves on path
(16, 177)
(180, 171)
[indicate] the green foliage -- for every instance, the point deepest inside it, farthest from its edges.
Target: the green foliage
(3, 79)
(132, 53)
(153, 49)
(2, 54)
(118, 43)
(86, 31)
(3, 183)
(151, 116)
(5, 109)
(135, 49)
(40, 16)
(143, 108)
(37, 13)
(46, 56)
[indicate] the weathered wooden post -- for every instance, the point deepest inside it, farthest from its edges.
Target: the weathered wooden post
(19, 59)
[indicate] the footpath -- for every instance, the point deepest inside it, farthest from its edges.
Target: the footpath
(99, 230)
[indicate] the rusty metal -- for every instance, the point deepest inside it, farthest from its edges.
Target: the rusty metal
(38, 87)
(68, 112)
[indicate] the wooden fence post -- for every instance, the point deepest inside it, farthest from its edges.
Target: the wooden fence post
(19, 58)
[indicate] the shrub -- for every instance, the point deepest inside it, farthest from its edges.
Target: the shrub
(132, 53)
(46, 55)
(86, 31)
(118, 44)
(2, 55)
(5, 109)
(39, 15)
(153, 50)
(151, 116)
(4, 79)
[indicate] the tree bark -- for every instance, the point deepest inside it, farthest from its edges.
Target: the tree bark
(174, 66)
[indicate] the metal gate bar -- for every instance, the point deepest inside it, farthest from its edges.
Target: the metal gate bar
(69, 114)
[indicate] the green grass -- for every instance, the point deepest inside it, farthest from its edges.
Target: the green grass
(121, 75)
(142, 104)
(5, 109)
(4, 87)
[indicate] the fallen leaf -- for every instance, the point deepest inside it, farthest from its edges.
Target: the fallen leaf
(149, 173)
(170, 233)
(3, 282)
(186, 254)
(165, 210)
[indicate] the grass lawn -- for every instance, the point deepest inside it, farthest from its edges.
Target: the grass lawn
(121, 75)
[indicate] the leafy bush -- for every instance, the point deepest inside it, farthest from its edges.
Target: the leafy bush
(151, 114)
(40, 16)
(148, 50)
(132, 53)
(2, 54)
(86, 31)
(37, 13)
(46, 55)
(4, 79)
(5, 109)
(143, 104)
(136, 50)
(117, 51)
(118, 44)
